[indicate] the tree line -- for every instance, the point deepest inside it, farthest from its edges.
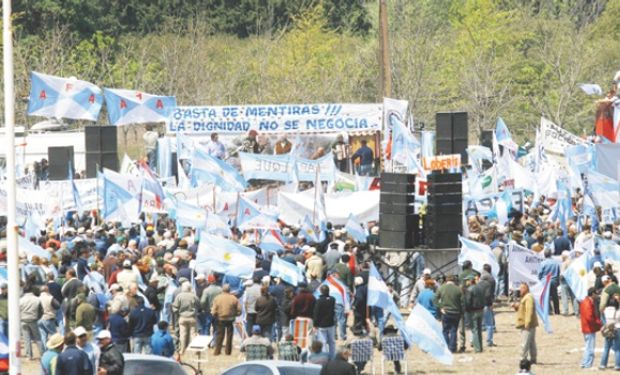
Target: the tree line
(518, 59)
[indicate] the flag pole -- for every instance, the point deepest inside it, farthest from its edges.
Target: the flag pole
(12, 255)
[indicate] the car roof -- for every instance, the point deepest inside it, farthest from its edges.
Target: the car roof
(282, 363)
(146, 357)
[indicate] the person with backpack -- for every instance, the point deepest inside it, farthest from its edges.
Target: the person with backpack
(590, 324)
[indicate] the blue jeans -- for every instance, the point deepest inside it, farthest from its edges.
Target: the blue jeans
(341, 320)
(588, 354)
(488, 320)
(377, 314)
(46, 328)
(450, 324)
(204, 323)
(611, 344)
(328, 337)
(365, 169)
(141, 344)
(567, 294)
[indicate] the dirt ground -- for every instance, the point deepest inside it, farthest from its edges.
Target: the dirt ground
(559, 353)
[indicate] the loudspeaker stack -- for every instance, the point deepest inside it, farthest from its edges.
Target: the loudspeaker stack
(443, 222)
(59, 160)
(101, 149)
(397, 219)
(451, 128)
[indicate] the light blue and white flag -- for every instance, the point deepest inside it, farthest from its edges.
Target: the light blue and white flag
(206, 168)
(31, 249)
(286, 271)
(188, 215)
(225, 256)
(136, 107)
(540, 292)
(576, 276)
(503, 135)
(426, 332)
(380, 296)
(217, 226)
(114, 196)
(591, 88)
(427, 142)
(609, 250)
(355, 229)
(58, 97)
(478, 254)
(404, 145)
(309, 231)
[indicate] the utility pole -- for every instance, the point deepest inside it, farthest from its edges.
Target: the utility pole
(384, 49)
(11, 226)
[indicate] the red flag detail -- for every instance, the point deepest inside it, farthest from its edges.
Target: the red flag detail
(42, 95)
(123, 104)
(159, 104)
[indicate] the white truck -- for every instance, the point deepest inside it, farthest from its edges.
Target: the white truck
(31, 145)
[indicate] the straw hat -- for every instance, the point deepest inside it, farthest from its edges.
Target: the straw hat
(55, 341)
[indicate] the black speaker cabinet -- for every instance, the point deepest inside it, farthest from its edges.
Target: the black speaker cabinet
(101, 149)
(452, 130)
(60, 159)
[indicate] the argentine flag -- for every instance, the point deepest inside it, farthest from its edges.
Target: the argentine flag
(576, 276)
(355, 230)
(206, 168)
(136, 107)
(58, 97)
(286, 271)
(217, 226)
(225, 256)
(478, 254)
(426, 332)
(379, 296)
(189, 215)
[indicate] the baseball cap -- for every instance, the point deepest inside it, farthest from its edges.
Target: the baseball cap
(126, 263)
(597, 264)
(104, 334)
(605, 278)
(79, 331)
(427, 271)
(256, 328)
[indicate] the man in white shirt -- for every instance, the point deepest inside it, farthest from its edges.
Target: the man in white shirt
(215, 148)
(150, 145)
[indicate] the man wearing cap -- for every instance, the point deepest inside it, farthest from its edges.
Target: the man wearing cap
(314, 265)
(127, 275)
(551, 266)
(84, 344)
(73, 361)
(609, 289)
(111, 361)
(257, 339)
(419, 286)
(54, 347)
(206, 302)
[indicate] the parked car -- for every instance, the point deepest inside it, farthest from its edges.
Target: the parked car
(148, 364)
(273, 368)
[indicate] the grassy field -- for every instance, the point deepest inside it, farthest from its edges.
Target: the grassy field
(559, 353)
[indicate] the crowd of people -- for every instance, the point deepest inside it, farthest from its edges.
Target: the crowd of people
(107, 290)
